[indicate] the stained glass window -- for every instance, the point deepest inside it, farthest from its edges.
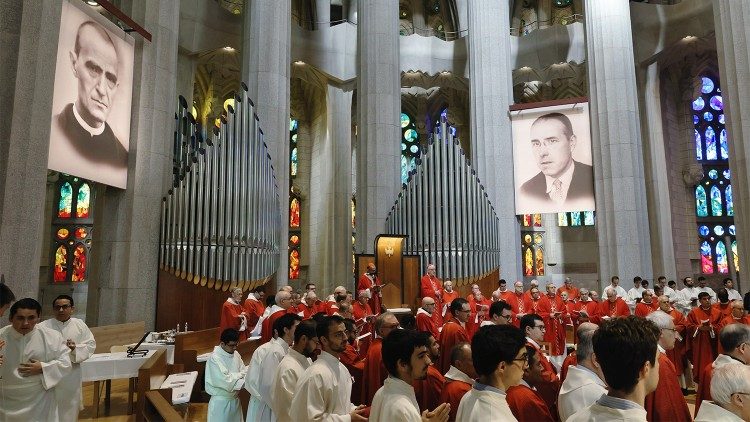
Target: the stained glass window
(293, 159)
(295, 202)
(714, 203)
(60, 271)
(294, 212)
(532, 253)
(65, 203)
(83, 204)
(410, 146)
(79, 263)
(531, 220)
(294, 264)
(71, 240)
(575, 218)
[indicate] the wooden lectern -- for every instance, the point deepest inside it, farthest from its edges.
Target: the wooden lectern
(398, 273)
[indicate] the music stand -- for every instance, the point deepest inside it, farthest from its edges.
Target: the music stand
(133, 351)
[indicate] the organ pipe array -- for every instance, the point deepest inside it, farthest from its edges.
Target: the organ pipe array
(446, 213)
(220, 223)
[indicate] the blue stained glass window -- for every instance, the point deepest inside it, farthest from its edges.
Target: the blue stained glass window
(404, 169)
(698, 145)
(292, 125)
(403, 146)
(294, 162)
(703, 231)
(711, 144)
(575, 218)
(588, 218)
(411, 135)
(444, 114)
(716, 210)
(707, 262)
(721, 118)
(405, 120)
(696, 119)
(719, 230)
(713, 174)
(701, 204)
(727, 174)
(723, 145)
(452, 131)
(707, 116)
(717, 103)
(721, 258)
(414, 149)
(732, 230)
(729, 200)
(698, 104)
(707, 85)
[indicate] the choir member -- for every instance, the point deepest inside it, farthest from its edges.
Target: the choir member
(614, 306)
(666, 403)
(735, 341)
(703, 287)
(533, 327)
(364, 318)
(425, 320)
(448, 295)
(677, 354)
(480, 308)
(688, 296)
(502, 291)
(233, 314)
(374, 371)
(555, 321)
(619, 291)
(283, 301)
(428, 389)
(737, 315)
(291, 368)
(310, 305)
(370, 281)
(265, 360)
(635, 294)
(647, 304)
(588, 310)
(532, 284)
(569, 288)
(406, 357)
(524, 401)
(79, 339)
(36, 359)
(224, 372)
(594, 296)
(516, 301)
(459, 379)
(733, 294)
(454, 330)
(703, 326)
(254, 307)
(731, 403)
(324, 391)
(345, 310)
(584, 383)
(499, 355)
(723, 305)
(500, 313)
(431, 286)
(629, 380)
(666, 290)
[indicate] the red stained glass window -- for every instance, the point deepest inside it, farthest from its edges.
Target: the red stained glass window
(294, 212)
(81, 232)
(60, 271)
(294, 264)
(79, 264)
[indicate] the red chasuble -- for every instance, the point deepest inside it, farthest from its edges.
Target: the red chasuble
(527, 405)
(643, 309)
(704, 386)
(453, 392)
(703, 346)
(729, 319)
(425, 322)
(666, 403)
(555, 333)
(374, 371)
(366, 284)
(428, 390)
(592, 309)
(230, 318)
(266, 332)
(550, 387)
(677, 355)
(452, 334)
(572, 292)
(433, 287)
(254, 310)
(617, 309)
(350, 358)
(517, 306)
(724, 309)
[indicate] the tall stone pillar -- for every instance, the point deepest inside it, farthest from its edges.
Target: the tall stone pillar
(619, 181)
(126, 247)
(330, 212)
(266, 70)
(732, 22)
(491, 93)
(379, 108)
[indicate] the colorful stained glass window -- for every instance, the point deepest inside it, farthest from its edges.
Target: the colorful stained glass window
(354, 213)
(729, 200)
(707, 262)
(60, 271)
(294, 212)
(735, 257)
(410, 146)
(62, 233)
(716, 210)
(79, 263)
(532, 252)
(526, 221)
(698, 144)
(293, 159)
(81, 232)
(588, 218)
(65, 205)
(537, 220)
(575, 218)
(701, 204)
(539, 261)
(711, 144)
(84, 200)
(707, 85)
(528, 263)
(562, 219)
(723, 145)
(722, 264)
(294, 162)
(294, 264)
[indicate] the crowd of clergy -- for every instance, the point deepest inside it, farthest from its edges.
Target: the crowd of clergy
(634, 356)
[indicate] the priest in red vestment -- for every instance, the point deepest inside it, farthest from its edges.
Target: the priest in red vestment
(425, 321)
(374, 372)
(677, 354)
(569, 288)
(736, 316)
(370, 281)
(233, 314)
(588, 309)
(533, 328)
(254, 307)
(555, 321)
(525, 403)
(480, 308)
(448, 295)
(703, 329)
(310, 305)
(533, 283)
(516, 302)
(723, 305)
(454, 331)
(429, 389)
(647, 304)
(666, 403)
(502, 291)
(353, 360)
(614, 306)
(364, 318)
(459, 378)
(431, 286)
(283, 303)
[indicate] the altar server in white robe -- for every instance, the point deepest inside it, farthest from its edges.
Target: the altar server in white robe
(224, 372)
(291, 368)
(324, 391)
(500, 357)
(36, 359)
(263, 364)
(406, 357)
(79, 339)
(585, 381)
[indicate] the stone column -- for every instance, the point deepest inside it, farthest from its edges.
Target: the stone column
(379, 107)
(619, 182)
(266, 71)
(33, 28)
(732, 22)
(322, 14)
(490, 95)
(127, 242)
(330, 210)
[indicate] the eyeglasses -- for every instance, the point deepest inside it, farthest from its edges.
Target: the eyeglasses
(465, 310)
(670, 329)
(59, 307)
(523, 359)
(541, 327)
(507, 317)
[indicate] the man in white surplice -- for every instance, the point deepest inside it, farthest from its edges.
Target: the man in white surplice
(406, 358)
(263, 364)
(224, 374)
(79, 339)
(291, 368)
(585, 381)
(324, 391)
(36, 359)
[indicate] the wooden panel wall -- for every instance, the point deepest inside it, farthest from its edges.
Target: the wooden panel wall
(178, 301)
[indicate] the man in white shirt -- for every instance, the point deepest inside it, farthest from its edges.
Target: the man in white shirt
(688, 296)
(584, 383)
(263, 364)
(79, 339)
(615, 284)
(324, 391)
(703, 287)
(733, 294)
(224, 375)
(500, 314)
(36, 360)
(406, 357)
(635, 294)
(291, 368)
(629, 380)
(730, 385)
(500, 357)
(667, 291)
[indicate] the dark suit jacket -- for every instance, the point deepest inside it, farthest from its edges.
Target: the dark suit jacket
(103, 148)
(581, 185)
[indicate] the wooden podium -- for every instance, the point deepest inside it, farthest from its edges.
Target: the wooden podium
(398, 273)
